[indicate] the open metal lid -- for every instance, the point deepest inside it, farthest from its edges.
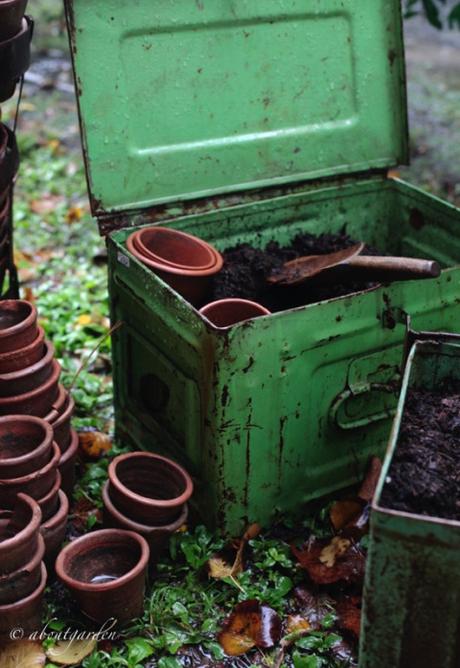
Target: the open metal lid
(185, 99)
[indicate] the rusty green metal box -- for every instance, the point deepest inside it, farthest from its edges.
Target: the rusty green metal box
(411, 611)
(238, 121)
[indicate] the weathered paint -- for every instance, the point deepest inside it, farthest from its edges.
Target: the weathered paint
(186, 100)
(411, 611)
(287, 408)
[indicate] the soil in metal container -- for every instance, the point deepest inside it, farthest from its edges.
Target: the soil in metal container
(424, 477)
(246, 270)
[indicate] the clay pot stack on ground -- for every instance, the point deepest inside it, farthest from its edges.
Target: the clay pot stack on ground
(29, 460)
(29, 381)
(22, 571)
(15, 37)
(182, 260)
(148, 494)
(105, 571)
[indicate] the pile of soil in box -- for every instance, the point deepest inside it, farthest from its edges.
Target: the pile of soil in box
(424, 477)
(246, 269)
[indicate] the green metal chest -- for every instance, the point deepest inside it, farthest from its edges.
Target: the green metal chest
(247, 121)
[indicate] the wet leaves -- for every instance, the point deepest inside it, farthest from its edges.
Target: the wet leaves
(93, 444)
(328, 562)
(218, 565)
(349, 615)
(22, 654)
(251, 624)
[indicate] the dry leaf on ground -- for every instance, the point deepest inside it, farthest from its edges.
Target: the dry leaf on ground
(70, 652)
(22, 654)
(348, 565)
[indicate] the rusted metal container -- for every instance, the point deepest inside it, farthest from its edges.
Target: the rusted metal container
(240, 122)
(411, 610)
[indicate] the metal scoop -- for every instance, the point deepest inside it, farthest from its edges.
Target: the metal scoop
(350, 265)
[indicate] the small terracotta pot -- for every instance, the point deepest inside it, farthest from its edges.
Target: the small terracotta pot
(185, 274)
(15, 60)
(54, 529)
(23, 357)
(175, 249)
(148, 488)
(4, 207)
(67, 464)
(60, 419)
(36, 484)
(29, 378)
(19, 530)
(21, 583)
(11, 14)
(49, 503)
(25, 613)
(25, 445)
(36, 402)
(106, 571)
(156, 537)
(228, 312)
(18, 324)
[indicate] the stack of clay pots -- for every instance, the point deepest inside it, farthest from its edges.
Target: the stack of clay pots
(182, 260)
(147, 493)
(15, 37)
(22, 571)
(29, 460)
(29, 381)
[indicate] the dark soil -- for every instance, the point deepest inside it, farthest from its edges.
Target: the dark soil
(246, 270)
(424, 477)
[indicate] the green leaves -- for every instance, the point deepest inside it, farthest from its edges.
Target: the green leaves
(431, 10)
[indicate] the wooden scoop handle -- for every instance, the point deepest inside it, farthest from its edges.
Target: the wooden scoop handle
(392, 268)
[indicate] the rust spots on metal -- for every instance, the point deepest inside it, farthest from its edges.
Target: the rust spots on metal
(392, 55)
(224, 396)
(249, 365)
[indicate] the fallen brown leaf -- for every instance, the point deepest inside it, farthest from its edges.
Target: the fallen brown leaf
(368, 487)
(251, 624)
(70, 652)
(348, 565)
(335, 549)
(345, 512)
(218, 565)
(22, 654)
(296, 623)
(349, 615)
(94, 444)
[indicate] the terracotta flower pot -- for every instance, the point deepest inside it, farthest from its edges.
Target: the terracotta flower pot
(25, 613)
(18, 324)
(21, 583)
(156, 536)
(36, 484)
(36, 402)
(106, 571)
(30, 377)
(19, 530)
(23, 357)
(49, 503)
(25, 445)
(187, 265)
(228, 312)
(67, 464)
(11, 14)
(15, 59)
(54, 529)
(4, 209)
(60, 419)
(148, 488)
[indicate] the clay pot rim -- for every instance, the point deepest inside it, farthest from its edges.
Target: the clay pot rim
(31, 565)
(56, 408)
(54, 489)
(24, 324)
(26, 396)
(12, 376)
(139, 567)
(29, 529)
(72, 448)
(6, 206)
(53, 463)
(66, 413)
(61, 513)
(136, 526)
(43, 445)
(10, 607)
(40, 338)
(172, 269)
(24, 28)
(145, 251)
(234, 300)
(145, 500)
